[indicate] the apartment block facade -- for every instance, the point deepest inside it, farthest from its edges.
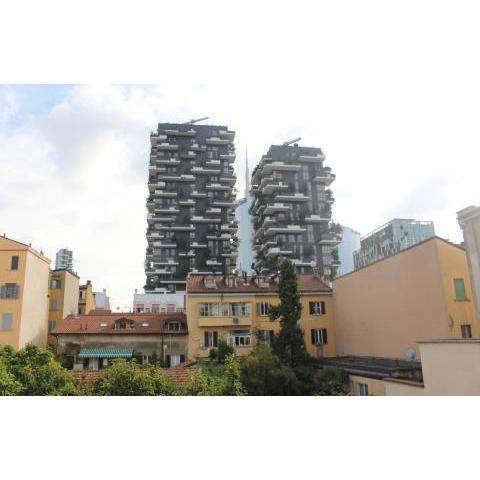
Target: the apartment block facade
(391, 238)
(421, 293)
(236, 309)
(191, 204)
(23, 294)
(63, 297)
(292, 211)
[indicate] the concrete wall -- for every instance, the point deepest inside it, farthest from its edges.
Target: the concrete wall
(387, 307)
(403, 389)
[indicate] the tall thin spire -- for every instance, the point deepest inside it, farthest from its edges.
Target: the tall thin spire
(247, 175)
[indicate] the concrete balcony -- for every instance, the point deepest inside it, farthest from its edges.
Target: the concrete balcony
(167, 262)
(326, 178)
(195, 194)
(290, 229)
(213, 211)
(188, 155)
(269, 168)
(198, 148)
(199, 219)
(155, 138)
(161, 271)
(303, 263)
(219, 203)
(205, 171)
(155, 235)
(162, 219)
(231, 180)
(217, 186)
(176, 178)
(230, 135)
(311, 158)
(179, 133)
(229, 156)
(167, 146)
(213, 263)
(167, 210)
(170, 161)
(267, 221)
(187, 203)
(276, 207)
(198, 245)
(213, 163)
(269, 185)
(165, 194)
(179, 228)
(330, 240)
(316, 219)
(229, 228)
(164, 245)
(218, 141)
(278, 251)
(188, 254)
(295, 197)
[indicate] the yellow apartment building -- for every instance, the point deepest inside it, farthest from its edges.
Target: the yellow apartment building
(235, 309)
(86, 299)
(63, 297)
(418, 294)
(23, 294)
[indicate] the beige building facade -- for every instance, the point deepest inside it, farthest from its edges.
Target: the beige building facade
(469, 220)
(421, 293)
(24, 274)
(86, 299)
(235, 310)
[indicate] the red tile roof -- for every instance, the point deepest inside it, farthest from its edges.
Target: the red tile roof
(179, 374)
(102, 322)
(306, 283)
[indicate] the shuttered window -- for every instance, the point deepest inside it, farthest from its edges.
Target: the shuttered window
(459, 284)
(319, 336)
(14, 264)
(466, 331)
(210, 339)
(7, 320)
(317, 308)
(10, 290)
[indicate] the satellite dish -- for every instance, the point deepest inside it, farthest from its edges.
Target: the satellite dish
(410, 354)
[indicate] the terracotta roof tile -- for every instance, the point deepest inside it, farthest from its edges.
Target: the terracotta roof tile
(306, 283)
(103, 323)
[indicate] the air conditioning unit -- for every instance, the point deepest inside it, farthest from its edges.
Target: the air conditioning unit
(235, 321)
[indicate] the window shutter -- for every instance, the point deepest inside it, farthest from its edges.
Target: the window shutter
(3, 293)
(182, 358)
(257, 305)
(324, 336)
(168, 361)
(205, 339)
(215, 339)
(322, 308)
(310, 305)
(270, 334)
(313, 335)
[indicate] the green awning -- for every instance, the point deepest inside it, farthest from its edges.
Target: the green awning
(106, 353)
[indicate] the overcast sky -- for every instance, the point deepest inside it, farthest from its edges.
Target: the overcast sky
(390, 95)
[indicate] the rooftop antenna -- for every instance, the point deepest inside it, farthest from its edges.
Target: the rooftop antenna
(292, 141)
(195, 120)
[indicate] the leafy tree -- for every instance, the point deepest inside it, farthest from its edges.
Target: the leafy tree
(220, 353)
(203, 384)
(330, 381)
(162, 385)
(233, 384)
(263, 373)
(289, 343)
(37, 372)
(8, 385)
(123, 378)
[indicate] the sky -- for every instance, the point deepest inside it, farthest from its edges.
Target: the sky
(390, 94)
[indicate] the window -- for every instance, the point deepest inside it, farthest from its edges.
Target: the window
(240, 338)
(10, 290)
(466, 331)
(317, 308)
(124, 324)
(240, 309)
(155, 308)
(14, 264)
(363, 389)
(459, 285)
(174, 326)
(170, 307)
(7, 320)
(82, 294)
(319, 336)
(86, 363)
(214, 310)
(56, 283)
(145, 359)
(263, 309)
(210, 339)
(139, 308)
(51, 325)
(53, 304)
(266, 336)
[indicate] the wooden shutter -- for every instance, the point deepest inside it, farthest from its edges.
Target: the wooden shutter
(3, 291)
(313, 335)
(324, 336)
(205, 339)
(182, 358)
(310, 306)
(322, 308)
(168, 361)
(215, 339)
